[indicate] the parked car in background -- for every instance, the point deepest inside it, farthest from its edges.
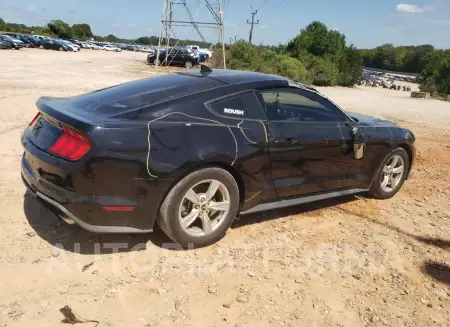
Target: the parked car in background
(181, 56)
(4, 44)
(15, 43)
(70, 46)
(22, 37)
(112, 48)
(52, 44)
(206, 52)
(199, 148)
(193, 47)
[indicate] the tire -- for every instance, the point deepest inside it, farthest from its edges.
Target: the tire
(377, 190)
(157, 62)
(60, 49)
(188, 64)
(41, 47)
(176, 204)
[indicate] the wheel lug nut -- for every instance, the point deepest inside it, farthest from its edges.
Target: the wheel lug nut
(197, 207)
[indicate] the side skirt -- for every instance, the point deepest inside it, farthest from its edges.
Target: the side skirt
(301, 200)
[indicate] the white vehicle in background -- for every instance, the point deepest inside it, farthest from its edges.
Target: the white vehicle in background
(72, 46)
(207, 54)
(112, 48)
(193, 47)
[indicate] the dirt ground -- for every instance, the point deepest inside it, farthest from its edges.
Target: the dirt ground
(350, 262)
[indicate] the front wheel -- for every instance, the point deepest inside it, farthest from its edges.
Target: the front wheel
(60, 49)
(391, 175)
(200, 208)
(188, 64)
(41, 47)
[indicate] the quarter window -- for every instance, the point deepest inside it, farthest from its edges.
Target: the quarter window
(292, 104)
(240, 106)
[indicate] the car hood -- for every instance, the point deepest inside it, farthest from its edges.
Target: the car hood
(365, 120)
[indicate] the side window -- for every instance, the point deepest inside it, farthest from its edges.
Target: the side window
(294, 104)
(239, 106)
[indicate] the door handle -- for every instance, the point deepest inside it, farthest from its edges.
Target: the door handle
(289, 141)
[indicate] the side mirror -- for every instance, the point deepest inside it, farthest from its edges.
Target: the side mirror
(358, 143)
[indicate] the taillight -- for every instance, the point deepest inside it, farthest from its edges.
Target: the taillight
(70, 145)
(34, 120)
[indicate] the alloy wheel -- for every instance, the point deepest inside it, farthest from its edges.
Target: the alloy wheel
(392, 173)
(204, 208)
(188, 64)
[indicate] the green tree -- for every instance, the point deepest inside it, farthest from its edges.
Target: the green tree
(111, 38)
(435, 77)
(350, 67)
(60, 29)
(324, 72)
(3, 26)
(294, 69)
(82, 31)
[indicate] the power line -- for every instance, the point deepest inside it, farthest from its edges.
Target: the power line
(262, 5)
(281, 2)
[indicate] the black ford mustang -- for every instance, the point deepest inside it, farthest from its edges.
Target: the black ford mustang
(193, 150)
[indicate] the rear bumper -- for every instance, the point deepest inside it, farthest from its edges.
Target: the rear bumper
(59, 201)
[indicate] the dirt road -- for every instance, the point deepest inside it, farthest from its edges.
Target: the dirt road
(347, 262)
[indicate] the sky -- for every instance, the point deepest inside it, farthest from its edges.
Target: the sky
(366, 23)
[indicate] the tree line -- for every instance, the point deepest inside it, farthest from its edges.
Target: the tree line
(432, 65)
(317, 55)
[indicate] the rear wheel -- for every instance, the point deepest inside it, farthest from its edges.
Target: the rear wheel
(200, 208)
(391, 175)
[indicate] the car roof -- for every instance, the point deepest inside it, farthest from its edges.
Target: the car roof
(236, 76)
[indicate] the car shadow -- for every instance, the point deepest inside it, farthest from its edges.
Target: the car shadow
(437, 270)
(75, 239)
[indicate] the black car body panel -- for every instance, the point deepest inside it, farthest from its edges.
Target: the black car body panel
(21, 37)
(148, 134)
(15, 44)
(4, 45)
(175, 56)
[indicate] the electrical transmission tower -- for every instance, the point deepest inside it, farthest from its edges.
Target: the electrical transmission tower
(252, 23)
(175, 8)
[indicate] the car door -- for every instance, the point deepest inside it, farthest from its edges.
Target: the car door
(172, 56)
(181, 56)
(310, 143)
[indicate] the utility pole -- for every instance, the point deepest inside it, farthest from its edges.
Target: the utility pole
(252, 23)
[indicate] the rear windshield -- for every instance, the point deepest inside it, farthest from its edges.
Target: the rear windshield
(142, 93)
